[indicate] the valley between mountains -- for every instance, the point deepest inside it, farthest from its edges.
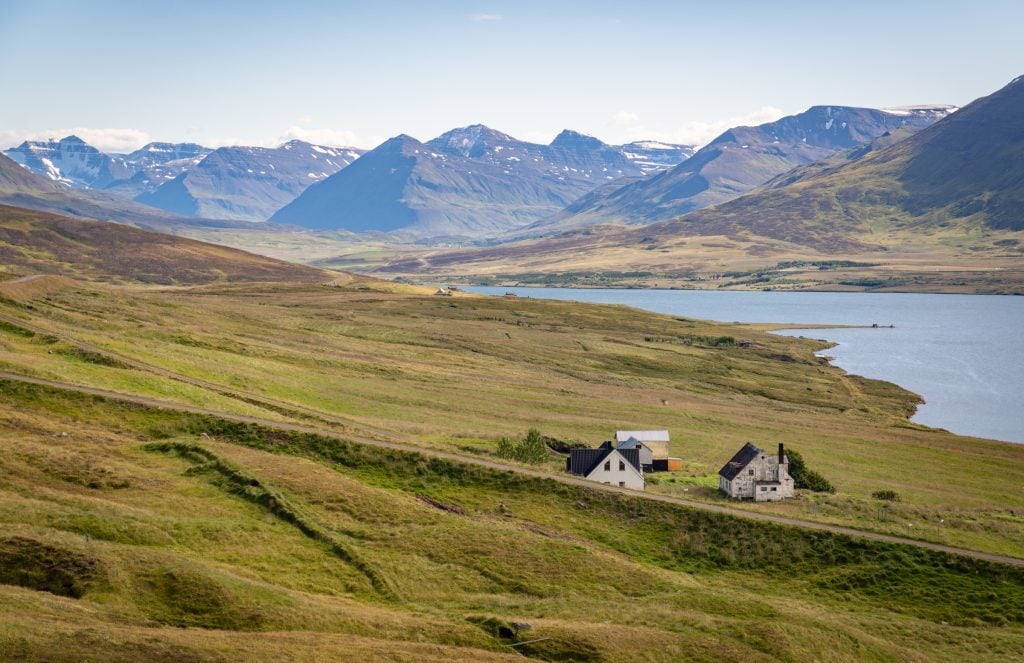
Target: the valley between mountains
(247, 413)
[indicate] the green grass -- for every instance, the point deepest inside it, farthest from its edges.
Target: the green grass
(313, 545)
(232, 527)
(432, 370)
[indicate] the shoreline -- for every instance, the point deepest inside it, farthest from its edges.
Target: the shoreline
(834, 291)
(921, 394)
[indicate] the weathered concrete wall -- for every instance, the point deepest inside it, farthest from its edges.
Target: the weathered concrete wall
(764, 469)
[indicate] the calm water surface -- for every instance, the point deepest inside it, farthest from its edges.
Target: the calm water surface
(963, 353)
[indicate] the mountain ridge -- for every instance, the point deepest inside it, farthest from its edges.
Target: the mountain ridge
(736, 162)
(467, 182)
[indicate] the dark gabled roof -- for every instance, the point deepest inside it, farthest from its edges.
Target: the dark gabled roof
(583, 461)
(742, 458)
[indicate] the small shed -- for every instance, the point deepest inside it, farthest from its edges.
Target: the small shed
(646, 454)
(655, 440)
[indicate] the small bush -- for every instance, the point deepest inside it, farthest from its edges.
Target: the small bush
(530, 449)
(887, 495)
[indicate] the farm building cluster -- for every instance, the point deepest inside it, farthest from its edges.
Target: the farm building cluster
(752, 473)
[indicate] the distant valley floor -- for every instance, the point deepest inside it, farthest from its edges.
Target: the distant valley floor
(980, 262)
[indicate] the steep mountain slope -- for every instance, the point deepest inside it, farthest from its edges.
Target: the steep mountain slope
(21, 188)
(156, 163)
(467, 182)
(71, 161)
(738, 161)
(247, 183)
(654, 156)
(40, 243)
(963, 173)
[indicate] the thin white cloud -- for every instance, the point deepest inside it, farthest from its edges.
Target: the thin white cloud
(104, 140)
(628, 126)
(486, 17)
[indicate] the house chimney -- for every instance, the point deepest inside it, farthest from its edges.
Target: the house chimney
(782, 454)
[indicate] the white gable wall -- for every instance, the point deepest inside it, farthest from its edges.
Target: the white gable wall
(619, 472)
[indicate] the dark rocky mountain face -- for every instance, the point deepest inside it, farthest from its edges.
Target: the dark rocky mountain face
(738, 161)
(468, 182)
(244, 183)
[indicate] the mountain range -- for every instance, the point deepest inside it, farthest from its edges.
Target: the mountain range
(252, 183)
(736, 162)
(74, 162)
(965, 171)
(20, 187)
(186, 179)
(468, 182)
(248, 183)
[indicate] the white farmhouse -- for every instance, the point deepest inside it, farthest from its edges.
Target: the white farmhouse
(607, 465)
(754, 474)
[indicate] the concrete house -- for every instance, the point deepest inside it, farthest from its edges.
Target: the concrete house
(754, 474)
(607, 465)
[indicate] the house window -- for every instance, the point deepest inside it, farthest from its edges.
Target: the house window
(608, 466)
(622, 466)
(773, 489)
(763, 489)
(750, 472)
(622, 484)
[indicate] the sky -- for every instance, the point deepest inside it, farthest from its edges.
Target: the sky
(120, 74)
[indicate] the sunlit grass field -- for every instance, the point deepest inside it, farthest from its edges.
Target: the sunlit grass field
(137, 534)
(459, 373)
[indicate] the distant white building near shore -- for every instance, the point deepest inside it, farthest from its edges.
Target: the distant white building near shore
(753, 474)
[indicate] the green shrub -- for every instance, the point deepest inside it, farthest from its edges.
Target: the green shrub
(887, 495)
(805, 478)
(530, 449)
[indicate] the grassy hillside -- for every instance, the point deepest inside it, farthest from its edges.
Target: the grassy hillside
(381, 360)
(136, 534)
(40, 243)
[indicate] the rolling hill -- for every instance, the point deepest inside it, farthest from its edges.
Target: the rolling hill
(270, 472)
(34, 242)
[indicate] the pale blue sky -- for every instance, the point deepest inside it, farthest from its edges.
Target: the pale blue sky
(356, 73)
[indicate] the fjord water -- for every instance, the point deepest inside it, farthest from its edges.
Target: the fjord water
(964, 354)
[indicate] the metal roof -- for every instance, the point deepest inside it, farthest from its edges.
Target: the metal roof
(742, 458)
(583, 461)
